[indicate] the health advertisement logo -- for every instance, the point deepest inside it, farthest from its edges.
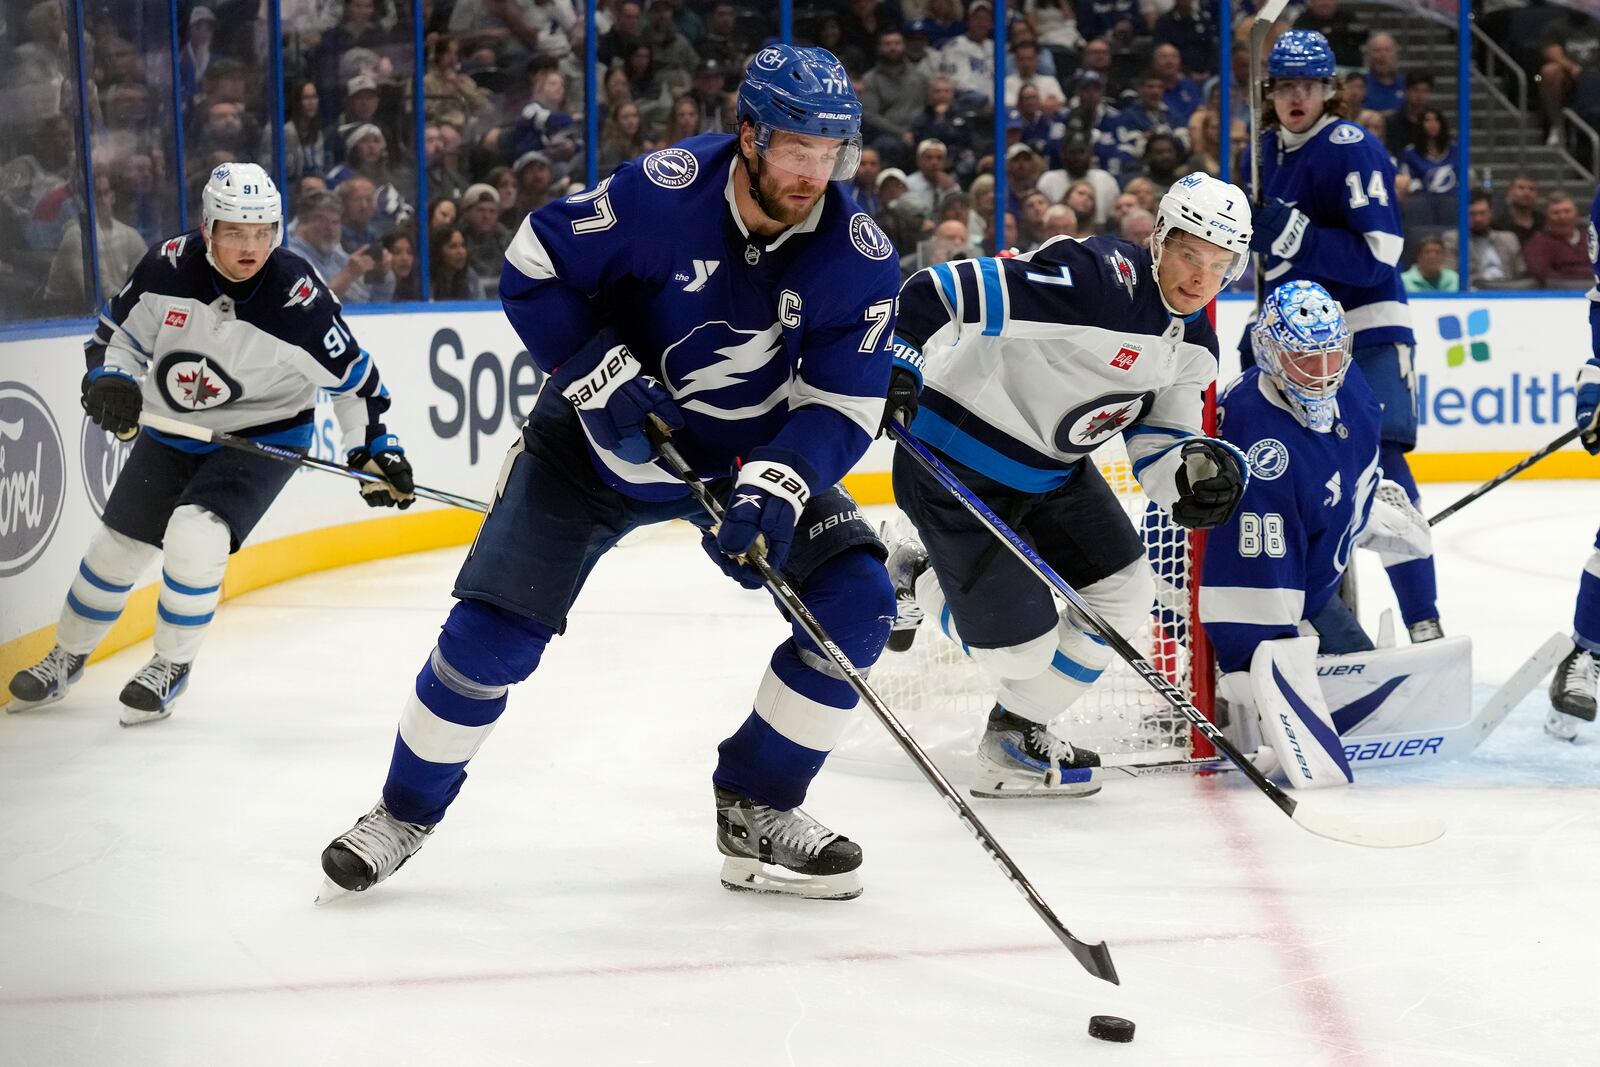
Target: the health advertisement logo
(1475, 341)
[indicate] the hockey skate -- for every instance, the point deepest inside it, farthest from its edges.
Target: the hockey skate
(367, 853)
(772, 851)
(1572, 694)
(1425, 630)
(907, 560)
(1020, 758)
(46, 681)
(150, 693)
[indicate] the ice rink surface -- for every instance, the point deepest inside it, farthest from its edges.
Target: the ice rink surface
(156, 883)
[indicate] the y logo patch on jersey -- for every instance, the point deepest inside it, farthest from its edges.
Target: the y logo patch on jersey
(1087, 426)
(1122, 272)
(1126, 357)
(703, 270)
(869, 238)
(177, 317)
(671, 168)
(191, 382)
(1268, 459)
(173, 249)
(302, 292)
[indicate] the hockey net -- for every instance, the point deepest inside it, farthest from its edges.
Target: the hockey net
(943, 698)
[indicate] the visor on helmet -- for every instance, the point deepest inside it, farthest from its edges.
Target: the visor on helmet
(820, 159)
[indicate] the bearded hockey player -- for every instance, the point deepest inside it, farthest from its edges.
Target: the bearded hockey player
(1310, 428)
(1025, 366)
(223, 328)
(1330, 215)
(727, 287)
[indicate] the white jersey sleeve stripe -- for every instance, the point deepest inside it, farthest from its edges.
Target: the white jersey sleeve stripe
(864, 411)
(1382, 313)
(1251, 607)
(1386, 247)
(529, 255)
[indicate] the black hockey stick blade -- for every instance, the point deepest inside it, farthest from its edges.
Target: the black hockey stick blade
(1508, 474)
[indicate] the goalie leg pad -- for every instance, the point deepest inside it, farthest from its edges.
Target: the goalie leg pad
(111, 565)
(1586, 614)
(195, 556)
(1294, 717)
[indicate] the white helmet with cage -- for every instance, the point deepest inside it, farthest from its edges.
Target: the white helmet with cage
(1211, 209)
(240, 192)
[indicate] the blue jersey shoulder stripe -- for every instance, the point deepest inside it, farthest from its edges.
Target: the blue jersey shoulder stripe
(994, 312)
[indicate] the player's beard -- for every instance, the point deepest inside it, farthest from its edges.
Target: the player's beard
(776, 190)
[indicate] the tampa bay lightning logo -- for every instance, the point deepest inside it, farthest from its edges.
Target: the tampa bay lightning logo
(191, 382)
(1268, 459)
(868, 237)
(727, 373)
(1346, 133)
(1090, 425)
(671, 168)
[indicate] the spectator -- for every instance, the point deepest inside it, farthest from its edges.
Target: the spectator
(403, 264)
(1107, 18)
(1567, 48)
(1343, 29)
(1405, 125)
(447, 170)
(1124, 203)
(1143, 191)
(1088, 109)
(1353, 91)
(1057, 24)
(1021, 33)
(1430, 161)
(1030, 220)
(652, 90)
(1386, 86)
(1191, 28)
(1009, 242)
(304, 187)
(361, 101)
(449, 273)
(1521, 214)
(514, 31)
(615, 90)
(1205, 138)
(709, 90)
(1121, 138)
(1081, 199)
(1052, 97)
(980, 219)
(1164, 162)
(1037, 128)
(441, 212)
(537, 184)
(893, 95)
(356, 278)
(673, 50)
(1558, 256)
(195, 56)
(1377, 125)
(719, 42)
(1179, 94)
(627, 30)
(1429, 274)
(305, 142)
(1494, 257)
(685, 122)
(903, 226)
(504, 182)
(941, 24)
(118, 251)
(949, 123)
(451, 95)
(968, 60)
(222, 128)
(1024, 167)
(1077, 164)
(863, 25)
(1097, 59)
(950, 242)
(1136, 227)
(1060, 221)
(623, 137)
(487, 240)
(919, 53)
(863, 186)
(358, 203)
(931, 181)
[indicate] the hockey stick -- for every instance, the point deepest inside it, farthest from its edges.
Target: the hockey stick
(1412, 832)
(1259, 28)
(1096, 959)
(177, 428)
(1507, 474)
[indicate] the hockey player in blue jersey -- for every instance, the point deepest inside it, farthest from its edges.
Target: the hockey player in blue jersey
(1025, 366)
(1329, 215)
(1572, 690)
(1311, 429)
(727, 287)
(223, 328)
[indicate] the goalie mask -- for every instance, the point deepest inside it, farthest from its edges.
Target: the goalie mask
(1302, 344)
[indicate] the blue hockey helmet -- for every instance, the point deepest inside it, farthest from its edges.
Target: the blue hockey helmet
(805, 91)
(1302, 343)
(1301, 54)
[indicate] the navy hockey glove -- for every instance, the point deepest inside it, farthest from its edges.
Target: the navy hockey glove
(1279, 229)
(1210, 483)
(905, 385)
(111, 398)
(763, 508)
(384, 457)
(1589, 407)
(614, 401)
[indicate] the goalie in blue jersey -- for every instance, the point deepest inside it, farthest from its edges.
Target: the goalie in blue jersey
(1329, 215)
(730, 288)
(1311, 428)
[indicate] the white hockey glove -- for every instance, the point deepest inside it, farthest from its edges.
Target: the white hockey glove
(1395, 527)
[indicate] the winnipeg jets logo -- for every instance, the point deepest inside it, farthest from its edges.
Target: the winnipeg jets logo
(1089, 425)
(726, 372)
(1122, 272)
(302, 292)
(671, 168)
(703, 270)
(1268, 459)
(1335, 489)
(191, 382)
(173, 249)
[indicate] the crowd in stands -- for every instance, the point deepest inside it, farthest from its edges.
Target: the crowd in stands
(1105, 104)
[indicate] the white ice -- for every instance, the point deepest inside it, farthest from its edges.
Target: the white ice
(156, 883)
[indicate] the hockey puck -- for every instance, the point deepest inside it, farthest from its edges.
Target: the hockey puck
(1110, 1028)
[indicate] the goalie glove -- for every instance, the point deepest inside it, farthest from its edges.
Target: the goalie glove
(1589, 407)
(384, 457)
(1210, 483)
(1395, 527)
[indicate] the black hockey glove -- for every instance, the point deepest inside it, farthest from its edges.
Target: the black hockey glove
(1279, 229)
(1210, 483)
(384, 457)
(112, 400)
(902, 399)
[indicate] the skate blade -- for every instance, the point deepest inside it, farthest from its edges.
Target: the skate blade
(135, 717)
(329, 892)
(17, 704)
(1003, 783)
(753, 876)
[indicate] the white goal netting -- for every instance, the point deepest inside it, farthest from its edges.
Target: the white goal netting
(943, 698)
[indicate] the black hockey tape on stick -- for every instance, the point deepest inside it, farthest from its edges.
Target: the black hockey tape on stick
(1096, 959)
(1507, 474)
(178, 428)
(1395, 835)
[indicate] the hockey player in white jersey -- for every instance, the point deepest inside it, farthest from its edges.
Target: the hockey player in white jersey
(1015, 370)
(223, 328)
